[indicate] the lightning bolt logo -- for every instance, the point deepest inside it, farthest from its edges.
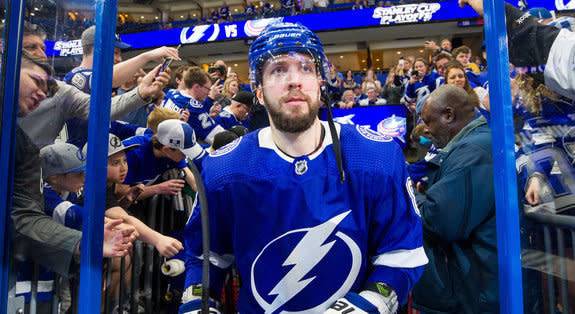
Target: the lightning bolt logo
(310, 250)
(198, 33)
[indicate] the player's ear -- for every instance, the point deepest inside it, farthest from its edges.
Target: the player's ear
(260, 95)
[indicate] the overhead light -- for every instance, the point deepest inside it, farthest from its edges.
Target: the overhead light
(36, 9)
(272, 5)
(3, 21)
(235, 10)
(157, 17)
(377, 60)
(194, 15)
(341, 57)
(399, 52)
(142, 17)
(235, 64)
(421, 51)
(365, 69)
(378, 68)
(363, 61)
(32, 14)
(75, 13)
(181, 16)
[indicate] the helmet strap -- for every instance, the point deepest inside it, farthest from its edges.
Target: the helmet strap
(326, 98)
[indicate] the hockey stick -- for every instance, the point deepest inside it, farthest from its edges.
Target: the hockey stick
(202, 198)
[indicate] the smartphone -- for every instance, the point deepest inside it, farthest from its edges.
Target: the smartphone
(168, 61)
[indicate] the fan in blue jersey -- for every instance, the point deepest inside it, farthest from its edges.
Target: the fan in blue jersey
(81, 76)
(225, 13)
(196, 99)
(421, 83)
(313, 224)
(237, 112)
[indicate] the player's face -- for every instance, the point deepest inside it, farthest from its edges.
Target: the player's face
(117, 168)
(33, 89)
(34, 45)
(117, 55)
(436, 125)
(456, 76)
(290, 91)
(463, 59)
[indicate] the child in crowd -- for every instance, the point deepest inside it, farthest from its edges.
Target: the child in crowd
(117, 171)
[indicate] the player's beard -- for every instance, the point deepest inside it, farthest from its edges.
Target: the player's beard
(296, 120)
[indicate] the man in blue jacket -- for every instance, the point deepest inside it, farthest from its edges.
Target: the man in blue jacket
(458, 209)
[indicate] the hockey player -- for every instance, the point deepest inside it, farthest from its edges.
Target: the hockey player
(314, 226)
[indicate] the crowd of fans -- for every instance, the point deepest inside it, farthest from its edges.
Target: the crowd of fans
(206, 110)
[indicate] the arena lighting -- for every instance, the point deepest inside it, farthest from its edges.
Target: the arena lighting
(376, 60)
(32, 14)
(363, 61)
(399, 52)
(421, 51)
(36, 9)
(235, 64)
(341, 57)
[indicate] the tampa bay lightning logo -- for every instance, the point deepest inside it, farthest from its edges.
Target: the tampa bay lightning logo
(560, 4)
(294, 273)
(370, 134)
(199, 33)
(227, 148)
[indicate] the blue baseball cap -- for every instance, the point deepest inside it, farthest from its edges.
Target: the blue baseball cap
(540, 13)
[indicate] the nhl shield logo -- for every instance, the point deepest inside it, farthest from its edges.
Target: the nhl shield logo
(301, 167)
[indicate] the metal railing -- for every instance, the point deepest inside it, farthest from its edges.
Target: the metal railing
(149, 290)
(558, 235)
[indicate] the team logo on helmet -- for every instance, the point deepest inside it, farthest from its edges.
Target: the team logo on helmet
(294, 273)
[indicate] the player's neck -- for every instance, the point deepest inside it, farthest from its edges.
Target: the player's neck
(298, 144)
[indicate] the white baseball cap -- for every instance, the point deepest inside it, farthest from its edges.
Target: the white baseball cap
(179, 135)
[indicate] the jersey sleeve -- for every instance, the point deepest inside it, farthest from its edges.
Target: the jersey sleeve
(62, 211)
(395, 246)
(125, 130)
(204, 126)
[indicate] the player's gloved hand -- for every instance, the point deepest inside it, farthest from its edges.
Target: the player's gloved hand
(195, 307)
(352, 303)
(377, 298)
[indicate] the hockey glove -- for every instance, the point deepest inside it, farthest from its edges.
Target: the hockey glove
(377, 298)
(195, 307)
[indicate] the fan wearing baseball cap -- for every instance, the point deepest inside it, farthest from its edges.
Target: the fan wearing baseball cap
(117, 170)
(237, 112)
(174, 141)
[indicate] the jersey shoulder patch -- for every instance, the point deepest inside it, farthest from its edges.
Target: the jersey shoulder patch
(79, 81)
(227, 148)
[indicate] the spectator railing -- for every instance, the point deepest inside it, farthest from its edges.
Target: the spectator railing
(556, 257)
(149, 288)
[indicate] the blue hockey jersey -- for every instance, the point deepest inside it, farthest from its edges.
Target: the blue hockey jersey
(63, 209)
(422, 88)
(299, 237)
(227, 119)
(204, 126)
(143, 166)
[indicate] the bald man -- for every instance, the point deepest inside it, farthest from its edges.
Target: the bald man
(458, 209)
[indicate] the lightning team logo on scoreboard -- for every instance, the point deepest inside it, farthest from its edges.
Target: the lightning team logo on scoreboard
(199, 32)
(408, 13)
(562, 6)
(321, 261)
